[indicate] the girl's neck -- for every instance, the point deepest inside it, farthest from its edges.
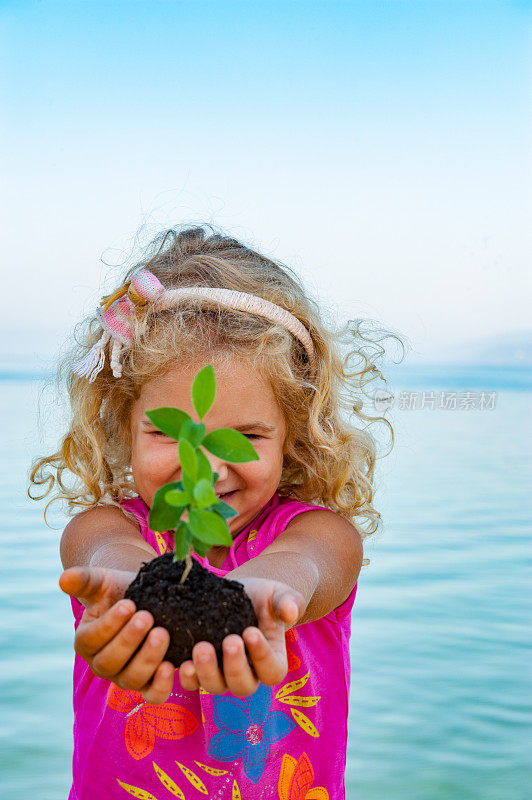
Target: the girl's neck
(217, 555)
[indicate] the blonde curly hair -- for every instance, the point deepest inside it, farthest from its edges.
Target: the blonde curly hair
(329, 459)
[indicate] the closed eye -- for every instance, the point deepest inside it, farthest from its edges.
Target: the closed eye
(160, 433)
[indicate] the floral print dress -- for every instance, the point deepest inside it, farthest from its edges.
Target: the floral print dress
(286, 741)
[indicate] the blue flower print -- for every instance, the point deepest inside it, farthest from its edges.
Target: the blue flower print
(247, 728)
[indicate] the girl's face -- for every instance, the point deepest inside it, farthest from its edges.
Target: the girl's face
(244, 401)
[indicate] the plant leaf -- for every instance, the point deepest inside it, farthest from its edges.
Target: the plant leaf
(204, 390)
(204, 494)
(200, 547)
(188, 486)
(204, 467)
(182, 538)
(176, 498)
(193, 432)
(209, 527)
(230, 445)
(163, 517)
(189, 463)
(224, 510)
(168, 420)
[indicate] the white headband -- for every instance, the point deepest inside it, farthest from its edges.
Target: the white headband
(118, 311)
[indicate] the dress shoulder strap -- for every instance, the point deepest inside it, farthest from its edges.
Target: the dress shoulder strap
(161, 541)
(277, 521)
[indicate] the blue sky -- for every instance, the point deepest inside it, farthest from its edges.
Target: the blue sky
(382, 149)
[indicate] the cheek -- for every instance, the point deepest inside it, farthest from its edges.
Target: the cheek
(153, 459)
(270, 461)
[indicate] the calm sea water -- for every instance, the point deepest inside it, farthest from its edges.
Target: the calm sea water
(441, 668)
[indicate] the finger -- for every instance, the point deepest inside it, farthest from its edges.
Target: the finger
(82, 582)
(187, 676)
(270, 664)
(112, 658)
(141, 669)
(207, 670)
(160, 688)
(237, 672)
(93, 636)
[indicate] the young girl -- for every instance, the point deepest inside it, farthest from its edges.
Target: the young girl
(142, 727)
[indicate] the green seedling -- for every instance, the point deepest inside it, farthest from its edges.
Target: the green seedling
(207, 514)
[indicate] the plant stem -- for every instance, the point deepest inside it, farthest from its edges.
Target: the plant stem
(188, 567)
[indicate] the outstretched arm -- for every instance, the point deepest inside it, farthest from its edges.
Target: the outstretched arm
(102, 552)
(309, 570)
(319, 555)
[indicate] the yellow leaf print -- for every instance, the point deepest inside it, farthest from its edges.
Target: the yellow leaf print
(236, 792)
(288, 766)
(161, 544)
(298, 700)
(304, 723)
(168, 783)
(317, 793)
(292, 687)
(211, 770)
(141, 794)
(196, 782)
(252, 535)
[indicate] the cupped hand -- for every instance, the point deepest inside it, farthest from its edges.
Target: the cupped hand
(111, 630)
(277, 607)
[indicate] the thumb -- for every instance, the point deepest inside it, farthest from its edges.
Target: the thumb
(288, 605)
(84, 583)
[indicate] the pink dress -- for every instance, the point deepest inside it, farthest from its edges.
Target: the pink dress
(286, 741)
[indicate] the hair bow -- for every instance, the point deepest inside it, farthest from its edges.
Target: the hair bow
(116, 314)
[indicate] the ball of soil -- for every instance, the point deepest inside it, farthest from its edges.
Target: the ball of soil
(205, 608)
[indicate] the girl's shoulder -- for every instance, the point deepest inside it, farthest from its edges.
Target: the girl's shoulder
(88, 530)
(279, 513)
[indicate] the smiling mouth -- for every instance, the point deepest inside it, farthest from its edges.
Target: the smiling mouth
(228, 494)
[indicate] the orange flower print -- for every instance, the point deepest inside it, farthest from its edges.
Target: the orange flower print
(144, 722)
(296, 778)
(293, 661)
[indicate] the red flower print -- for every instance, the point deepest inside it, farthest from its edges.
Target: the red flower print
(294, 661)
(144, 722)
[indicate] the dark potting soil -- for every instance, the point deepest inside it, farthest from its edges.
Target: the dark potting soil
(205, 608)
